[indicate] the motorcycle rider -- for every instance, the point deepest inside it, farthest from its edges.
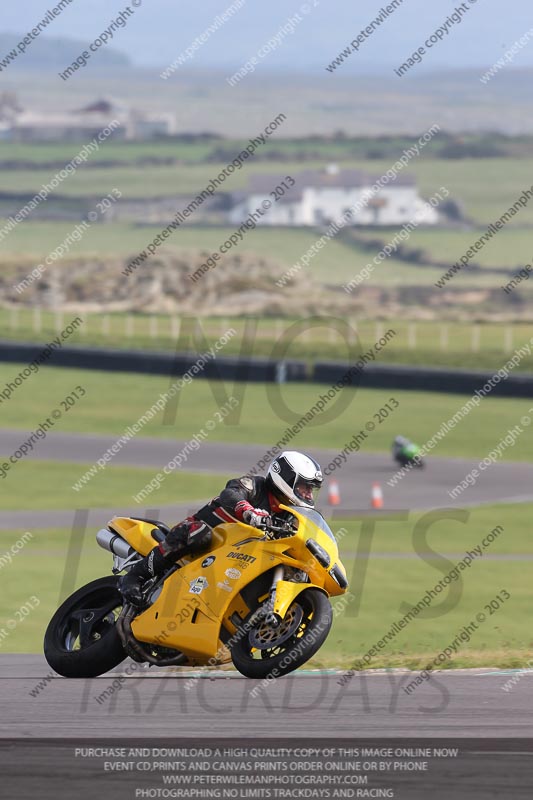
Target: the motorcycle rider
(403, 450)
(291, 479)
(399, 445)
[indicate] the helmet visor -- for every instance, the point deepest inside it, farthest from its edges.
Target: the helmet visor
(306, 492)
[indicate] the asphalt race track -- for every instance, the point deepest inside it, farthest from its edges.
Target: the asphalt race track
(418, 489)
(159, 703)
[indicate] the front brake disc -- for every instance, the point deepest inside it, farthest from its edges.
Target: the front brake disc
(265, 635)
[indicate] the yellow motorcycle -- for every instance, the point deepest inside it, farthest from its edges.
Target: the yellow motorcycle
(259, 598)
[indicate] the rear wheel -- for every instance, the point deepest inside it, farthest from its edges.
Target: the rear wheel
(82, 640)
(265, 651)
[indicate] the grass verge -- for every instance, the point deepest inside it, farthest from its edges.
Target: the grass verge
(452, 344)
(265, 411)
(385, 589)
(44, 485)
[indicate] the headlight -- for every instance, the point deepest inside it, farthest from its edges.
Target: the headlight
(319, 553)
(338, 576)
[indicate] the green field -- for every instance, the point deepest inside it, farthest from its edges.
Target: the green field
(338, 263)
(47, 485)
(470, 181)
(43, 569)
(504, 640)
(262, 416)
(512, 247)
(44, 153)
(330, 147)
(35, 240)
(115, 400)
(485, 346)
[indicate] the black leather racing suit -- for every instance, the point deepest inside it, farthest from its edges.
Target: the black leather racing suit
(195, 532)
(238, 496)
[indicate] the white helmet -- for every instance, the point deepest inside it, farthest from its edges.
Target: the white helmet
(292, 476)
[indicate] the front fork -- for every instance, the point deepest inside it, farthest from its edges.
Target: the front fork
(270, 617)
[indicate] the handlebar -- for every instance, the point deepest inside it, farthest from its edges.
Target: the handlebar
(286, 529)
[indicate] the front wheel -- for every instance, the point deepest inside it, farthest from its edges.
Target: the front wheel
(265, 651)
(82, 640)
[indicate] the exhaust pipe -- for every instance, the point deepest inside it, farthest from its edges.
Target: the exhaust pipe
(114, 543)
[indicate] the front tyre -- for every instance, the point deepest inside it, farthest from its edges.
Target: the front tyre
(267, 652)
(82, 640)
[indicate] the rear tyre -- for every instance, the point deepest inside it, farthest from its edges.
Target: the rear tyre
(283, 649)
(82, 640)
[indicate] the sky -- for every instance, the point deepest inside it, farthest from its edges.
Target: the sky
(160, 30)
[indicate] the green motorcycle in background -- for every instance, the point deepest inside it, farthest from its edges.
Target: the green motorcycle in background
(407, 453)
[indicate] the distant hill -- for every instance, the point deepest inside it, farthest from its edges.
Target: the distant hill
(58, 53)
(319, 30)
(371, 106)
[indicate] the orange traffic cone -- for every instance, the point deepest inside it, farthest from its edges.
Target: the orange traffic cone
(377, 496)
(334, 495)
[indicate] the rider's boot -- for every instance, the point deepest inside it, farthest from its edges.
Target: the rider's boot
(186, 537)
(155, 563)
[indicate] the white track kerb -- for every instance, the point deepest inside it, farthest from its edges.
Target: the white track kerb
(296, 651)
(398, 626)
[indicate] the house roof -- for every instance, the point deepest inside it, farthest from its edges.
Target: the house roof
(321, 179)
(30, 119)
(292, 195)
(103, 105)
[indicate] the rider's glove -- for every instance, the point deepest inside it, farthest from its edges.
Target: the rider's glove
(256, 517)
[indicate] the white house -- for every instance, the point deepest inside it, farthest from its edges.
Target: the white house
(85, 123)
(320, 197)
